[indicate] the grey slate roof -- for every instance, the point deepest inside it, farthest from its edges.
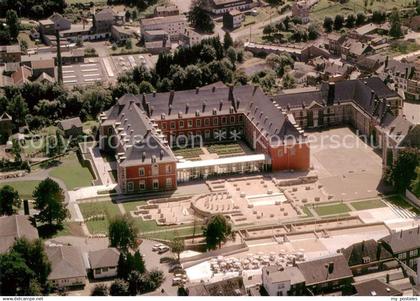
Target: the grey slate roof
(67, 124)
(316, 271)
(229, 287)
(375, 287)
(403, 241)
(104, 258)
(14, 227)
(107, 14)
(370, 248)
(278, 274)
(66, 262)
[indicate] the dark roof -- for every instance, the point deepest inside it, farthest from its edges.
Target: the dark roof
(412, 139)
(356, 253)
(66, 262)
(228, 287)
(325, 269)
(14, 227)
(104, 258)
(279, 274)
(67, 124)
(375, 287)
(404, 240)
(107, 14)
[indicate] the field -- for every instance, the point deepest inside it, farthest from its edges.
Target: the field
(25, 188)
(72, 173)
(369, 204)
(331, 8)
(332, 209)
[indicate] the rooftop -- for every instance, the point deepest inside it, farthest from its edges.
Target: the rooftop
(375, 287)
(66, 262)
(15, 226)
(104, 258)
(403, 240)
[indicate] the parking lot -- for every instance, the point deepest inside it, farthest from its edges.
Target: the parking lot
(83, 74)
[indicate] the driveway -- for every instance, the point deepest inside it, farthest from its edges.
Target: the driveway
(152, 260)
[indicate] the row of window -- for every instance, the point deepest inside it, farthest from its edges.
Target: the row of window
(198, 122)
(155, 185)
(155, 170)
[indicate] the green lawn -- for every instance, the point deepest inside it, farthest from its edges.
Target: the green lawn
(108, 209)
(401, 202)
(331, 8)
(72, 172)
(225, 149)
(25, 188)
(307, 212)
(369, 204)
(130, 206)
(189, 153)
(332, 209)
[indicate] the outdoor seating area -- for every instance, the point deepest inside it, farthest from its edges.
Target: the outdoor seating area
(307, 194)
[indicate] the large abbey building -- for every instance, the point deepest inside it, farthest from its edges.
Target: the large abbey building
(143, 129)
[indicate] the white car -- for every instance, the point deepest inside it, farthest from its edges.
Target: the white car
(156, 247)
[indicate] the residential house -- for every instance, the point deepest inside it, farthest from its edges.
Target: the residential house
(67, 267)
(156, 35)
(103, 21)
(404, 245)
(5, 128)
(10, 53)
(376, 288)
(43, 66)
(173, 25)
(73, 56)
(366, 256)
(44, 78)
(166, 10)
(22, 75)
(228, 287)
(397, 73)
(104, 262)
(352, 49)
(362, 33)
(53, 23)
(156, 47)
(325, 275)
(72, 128)
(232, 19)
(122, 33)
(13, 227)
(334, 43)
(190, 37)
(219, 7)
(301, 10)
(283, 281)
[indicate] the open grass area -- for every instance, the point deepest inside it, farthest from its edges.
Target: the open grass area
(368, 204)
(108, 209)
(399, 201)
(25, 188)
(189, 153)
(307, 212)
(332, 209)
(402, 47)
(72, 172)
(226, 149)
(24, 36)
(331, 8)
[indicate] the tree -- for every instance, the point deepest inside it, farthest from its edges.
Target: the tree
(17, 108)
(146, 87)
(15, 276)
(12, 22)
(395, 30)
(240, 77)
(119, 288)
(231, 54)
(216, 231)
(193, 77)
(227, 41)
(138, 263)
(351, 19)
(378, 16)
(177, 246)
(199, 18)
(289, 81)
(123, 233)
(313, 32)
(208, 53)
(360, 19)
(100, 290)
(9, 200)
(122, 268)
(328, 24)
(338, 22)
(415, 184)
(49, 200)
(403, 172)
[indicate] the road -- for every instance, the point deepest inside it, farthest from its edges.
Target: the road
(254, 29)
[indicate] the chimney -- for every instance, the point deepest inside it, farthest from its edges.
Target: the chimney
(187, 107)
(231, 98)
(204, 106)
(143, 156)
(330, 267)
(213, 89)
(171, 96)
(154, 93)
(161, 154)
(400, 233)
(237, 104)
(254, 90)
(220, 105)
(170, 110)
(331, 94)
(386, 62)
(197, 89)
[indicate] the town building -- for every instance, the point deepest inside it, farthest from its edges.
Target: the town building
(173, 25)
(300, 11)
(190, 37)
(104, 262)
(232, 19)
(219, 7)
(53, 23)
(228, 287)
(10, 54)
(404, 245)
(104, 20)
(43, 66)
(283, 281)
(67, 267)
(376, 287)
(14, 227)
(164, 120)
(72, 127)
(166, 10)
(366, 256)
(326, 275)
(334, 43)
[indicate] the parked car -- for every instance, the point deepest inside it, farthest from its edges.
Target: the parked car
(156, 247)
(175, 267)
(163, 249)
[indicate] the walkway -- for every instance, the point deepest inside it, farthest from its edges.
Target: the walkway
(103, 167)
